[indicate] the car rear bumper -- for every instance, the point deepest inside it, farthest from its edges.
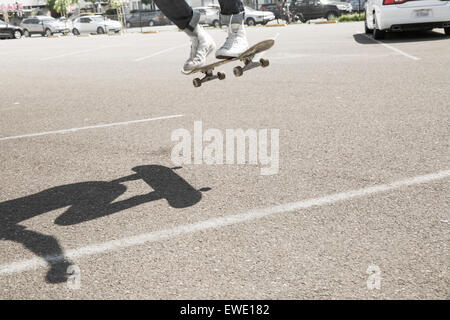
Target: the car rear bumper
(399, 18)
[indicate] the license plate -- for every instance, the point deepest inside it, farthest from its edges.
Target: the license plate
(423, 13)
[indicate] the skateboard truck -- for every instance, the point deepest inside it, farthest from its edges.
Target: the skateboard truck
(250, 64)
(209, 75)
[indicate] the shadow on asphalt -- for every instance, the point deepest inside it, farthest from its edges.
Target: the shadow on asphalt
(87, 201)
(403, 37)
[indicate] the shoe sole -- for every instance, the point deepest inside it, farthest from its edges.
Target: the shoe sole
(225, 57)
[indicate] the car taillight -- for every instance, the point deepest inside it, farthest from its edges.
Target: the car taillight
(388, 2)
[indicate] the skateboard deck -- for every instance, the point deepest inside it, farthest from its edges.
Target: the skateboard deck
(246, 57)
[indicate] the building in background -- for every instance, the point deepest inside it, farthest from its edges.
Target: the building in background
(11, 5)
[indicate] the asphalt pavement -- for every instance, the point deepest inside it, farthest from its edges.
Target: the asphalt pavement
(92, 206)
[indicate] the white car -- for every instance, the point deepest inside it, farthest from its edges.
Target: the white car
(403, 15)
(252, 16)
(95, 24)
(209, 16)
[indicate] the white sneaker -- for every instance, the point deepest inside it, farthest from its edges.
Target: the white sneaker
(235, 44)
(202, 45)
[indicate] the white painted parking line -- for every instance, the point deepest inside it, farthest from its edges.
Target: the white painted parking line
(75, 53)
(215, 223)
(89, 127)
(160, 52)
(393, 48)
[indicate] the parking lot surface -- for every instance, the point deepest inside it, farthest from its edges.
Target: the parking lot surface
(363, 183)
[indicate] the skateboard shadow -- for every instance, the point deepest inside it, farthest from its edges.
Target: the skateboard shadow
(87, 201)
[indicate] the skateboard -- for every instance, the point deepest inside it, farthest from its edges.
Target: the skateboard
(246, 57)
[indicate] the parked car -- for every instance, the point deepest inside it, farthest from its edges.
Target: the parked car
(253, 17)
(316, 9)
(10, 31)
(146, 18)
(402, 15)
(209, 16)
(42, 25)
(95, 24)
(357, 5)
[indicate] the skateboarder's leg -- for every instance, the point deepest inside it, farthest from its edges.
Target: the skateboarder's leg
(232, 14)
(180, 13)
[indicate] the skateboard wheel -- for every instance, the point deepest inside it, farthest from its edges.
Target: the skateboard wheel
(264, 62)
(221, 75)
(238, 71)
(197, 82)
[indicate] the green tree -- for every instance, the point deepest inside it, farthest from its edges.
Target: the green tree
(60, 6)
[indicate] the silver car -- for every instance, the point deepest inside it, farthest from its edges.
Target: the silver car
(95, 24)
(211, 16)
(253, 17)
(42, 25)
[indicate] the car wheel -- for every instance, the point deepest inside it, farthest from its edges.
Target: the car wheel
(151, 23)
(366, 28)
(217, 24)
(26, 33)
(331, 16)
(128, 25)
(100, 30)
(377, 33)
(76, 32)
(447, 31)
(250, 22)
(16, 34)
(48, 33)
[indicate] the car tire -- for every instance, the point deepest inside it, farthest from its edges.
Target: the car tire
(76, 32)
(100, 30)
(26, 33)
(16, 34)
(48, 33)
(128, 25)
(366, 28)
(250, 22)
(447, 31)
(377, 33)
(151, 23)
(217, 24)
(331, 15)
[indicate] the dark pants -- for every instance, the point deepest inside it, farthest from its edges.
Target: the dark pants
(180, 13)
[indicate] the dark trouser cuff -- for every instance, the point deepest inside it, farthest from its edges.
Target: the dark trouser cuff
(233, 19)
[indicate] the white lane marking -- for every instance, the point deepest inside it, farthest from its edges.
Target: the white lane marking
(215, 223)
(160, 52)
(75, 53)
(89, 127)
(393, 48)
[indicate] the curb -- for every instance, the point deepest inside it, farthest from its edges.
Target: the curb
(149, 32)
(275, 25)
(325, 22)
